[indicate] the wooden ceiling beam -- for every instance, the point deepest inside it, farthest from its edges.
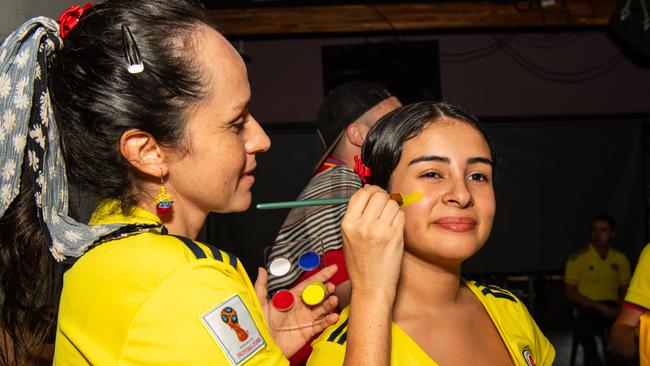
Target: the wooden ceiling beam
(411, 17)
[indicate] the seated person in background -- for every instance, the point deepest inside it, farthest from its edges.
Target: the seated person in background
(596, 278)
(623, 337)
(439, 154)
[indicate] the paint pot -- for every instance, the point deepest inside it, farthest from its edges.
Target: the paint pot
(314, 294)
(309, 261)
(283, 300)
(280, 266)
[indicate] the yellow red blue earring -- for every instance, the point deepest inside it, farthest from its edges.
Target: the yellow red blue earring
(163, 200)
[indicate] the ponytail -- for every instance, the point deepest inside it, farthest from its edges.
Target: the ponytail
(62, 112)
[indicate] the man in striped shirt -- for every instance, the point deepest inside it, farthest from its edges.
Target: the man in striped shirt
(343, 121)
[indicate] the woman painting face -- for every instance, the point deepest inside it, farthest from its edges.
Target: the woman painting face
(450, 163)
(216, 175)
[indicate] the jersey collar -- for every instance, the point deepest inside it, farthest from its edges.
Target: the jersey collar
(330, 162)
(109, 211)
(593, 251)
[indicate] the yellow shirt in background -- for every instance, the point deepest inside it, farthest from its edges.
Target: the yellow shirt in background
(525, 342)
(639, 291)
(644, 340)
(147, 300)
(596, 278)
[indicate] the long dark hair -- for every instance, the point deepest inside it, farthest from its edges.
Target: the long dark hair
(382, 148)
(96, 99)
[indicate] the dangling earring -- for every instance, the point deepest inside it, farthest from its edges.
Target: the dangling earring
(163, 200)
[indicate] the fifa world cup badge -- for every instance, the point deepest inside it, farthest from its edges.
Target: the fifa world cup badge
(232, 327)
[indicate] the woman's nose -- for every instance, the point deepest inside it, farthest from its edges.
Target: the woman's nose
(256, 140)
(458, 194)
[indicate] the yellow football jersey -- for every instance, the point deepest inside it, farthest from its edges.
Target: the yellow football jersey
(644, 340)
(596, 278)
(153, 299)
(525, 342)
(639, 291)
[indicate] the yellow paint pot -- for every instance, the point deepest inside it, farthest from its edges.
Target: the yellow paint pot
(314, 294)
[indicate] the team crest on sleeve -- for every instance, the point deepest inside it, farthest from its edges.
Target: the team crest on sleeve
(528, 357)
(232, 327)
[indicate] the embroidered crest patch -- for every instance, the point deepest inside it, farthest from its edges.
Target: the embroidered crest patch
(232, 327)
(528, 357)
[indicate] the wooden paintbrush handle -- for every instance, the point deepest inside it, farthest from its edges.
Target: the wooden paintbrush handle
(397, 197)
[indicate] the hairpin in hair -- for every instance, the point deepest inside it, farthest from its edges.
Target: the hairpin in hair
(361, 169)
(131, 53)
(69, 18)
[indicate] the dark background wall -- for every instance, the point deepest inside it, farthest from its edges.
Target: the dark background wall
(287, 84)
(567, 110)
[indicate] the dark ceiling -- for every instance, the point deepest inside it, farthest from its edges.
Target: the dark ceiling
(234, 4)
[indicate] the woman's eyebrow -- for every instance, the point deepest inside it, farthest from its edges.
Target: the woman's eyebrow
(242, 106)
(480, 160)
(424, 158)
(442, 159)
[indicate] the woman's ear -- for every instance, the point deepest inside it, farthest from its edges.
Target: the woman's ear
(143, 152)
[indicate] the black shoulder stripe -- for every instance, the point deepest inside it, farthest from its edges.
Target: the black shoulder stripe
(338, 331)
(494, 291)
(232, 259)
(198, 253)
(216, 253)
(343, 338)
(501, 295)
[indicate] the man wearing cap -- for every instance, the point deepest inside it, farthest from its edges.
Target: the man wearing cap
(343, 121)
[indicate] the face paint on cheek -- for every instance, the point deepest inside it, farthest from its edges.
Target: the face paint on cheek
(406, 199)
(425, 201)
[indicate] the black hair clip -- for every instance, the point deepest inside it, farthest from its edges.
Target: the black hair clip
(131, 53)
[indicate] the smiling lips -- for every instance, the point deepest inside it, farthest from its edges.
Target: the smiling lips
(456, 224)
(248, 175)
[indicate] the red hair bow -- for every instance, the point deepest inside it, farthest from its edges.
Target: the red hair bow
(361, 169)
(70, 18)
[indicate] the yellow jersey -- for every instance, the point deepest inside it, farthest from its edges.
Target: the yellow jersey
(639, 291)
(154, 299)
(597, 279)
(644, 340)
(525, 342)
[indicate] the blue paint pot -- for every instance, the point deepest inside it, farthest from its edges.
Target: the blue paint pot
(309, 261)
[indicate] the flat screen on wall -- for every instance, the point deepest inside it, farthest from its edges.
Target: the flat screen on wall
(411, 70)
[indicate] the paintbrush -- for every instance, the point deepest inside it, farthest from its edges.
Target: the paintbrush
(402, 199)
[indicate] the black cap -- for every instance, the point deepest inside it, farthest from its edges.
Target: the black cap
(345, 105)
